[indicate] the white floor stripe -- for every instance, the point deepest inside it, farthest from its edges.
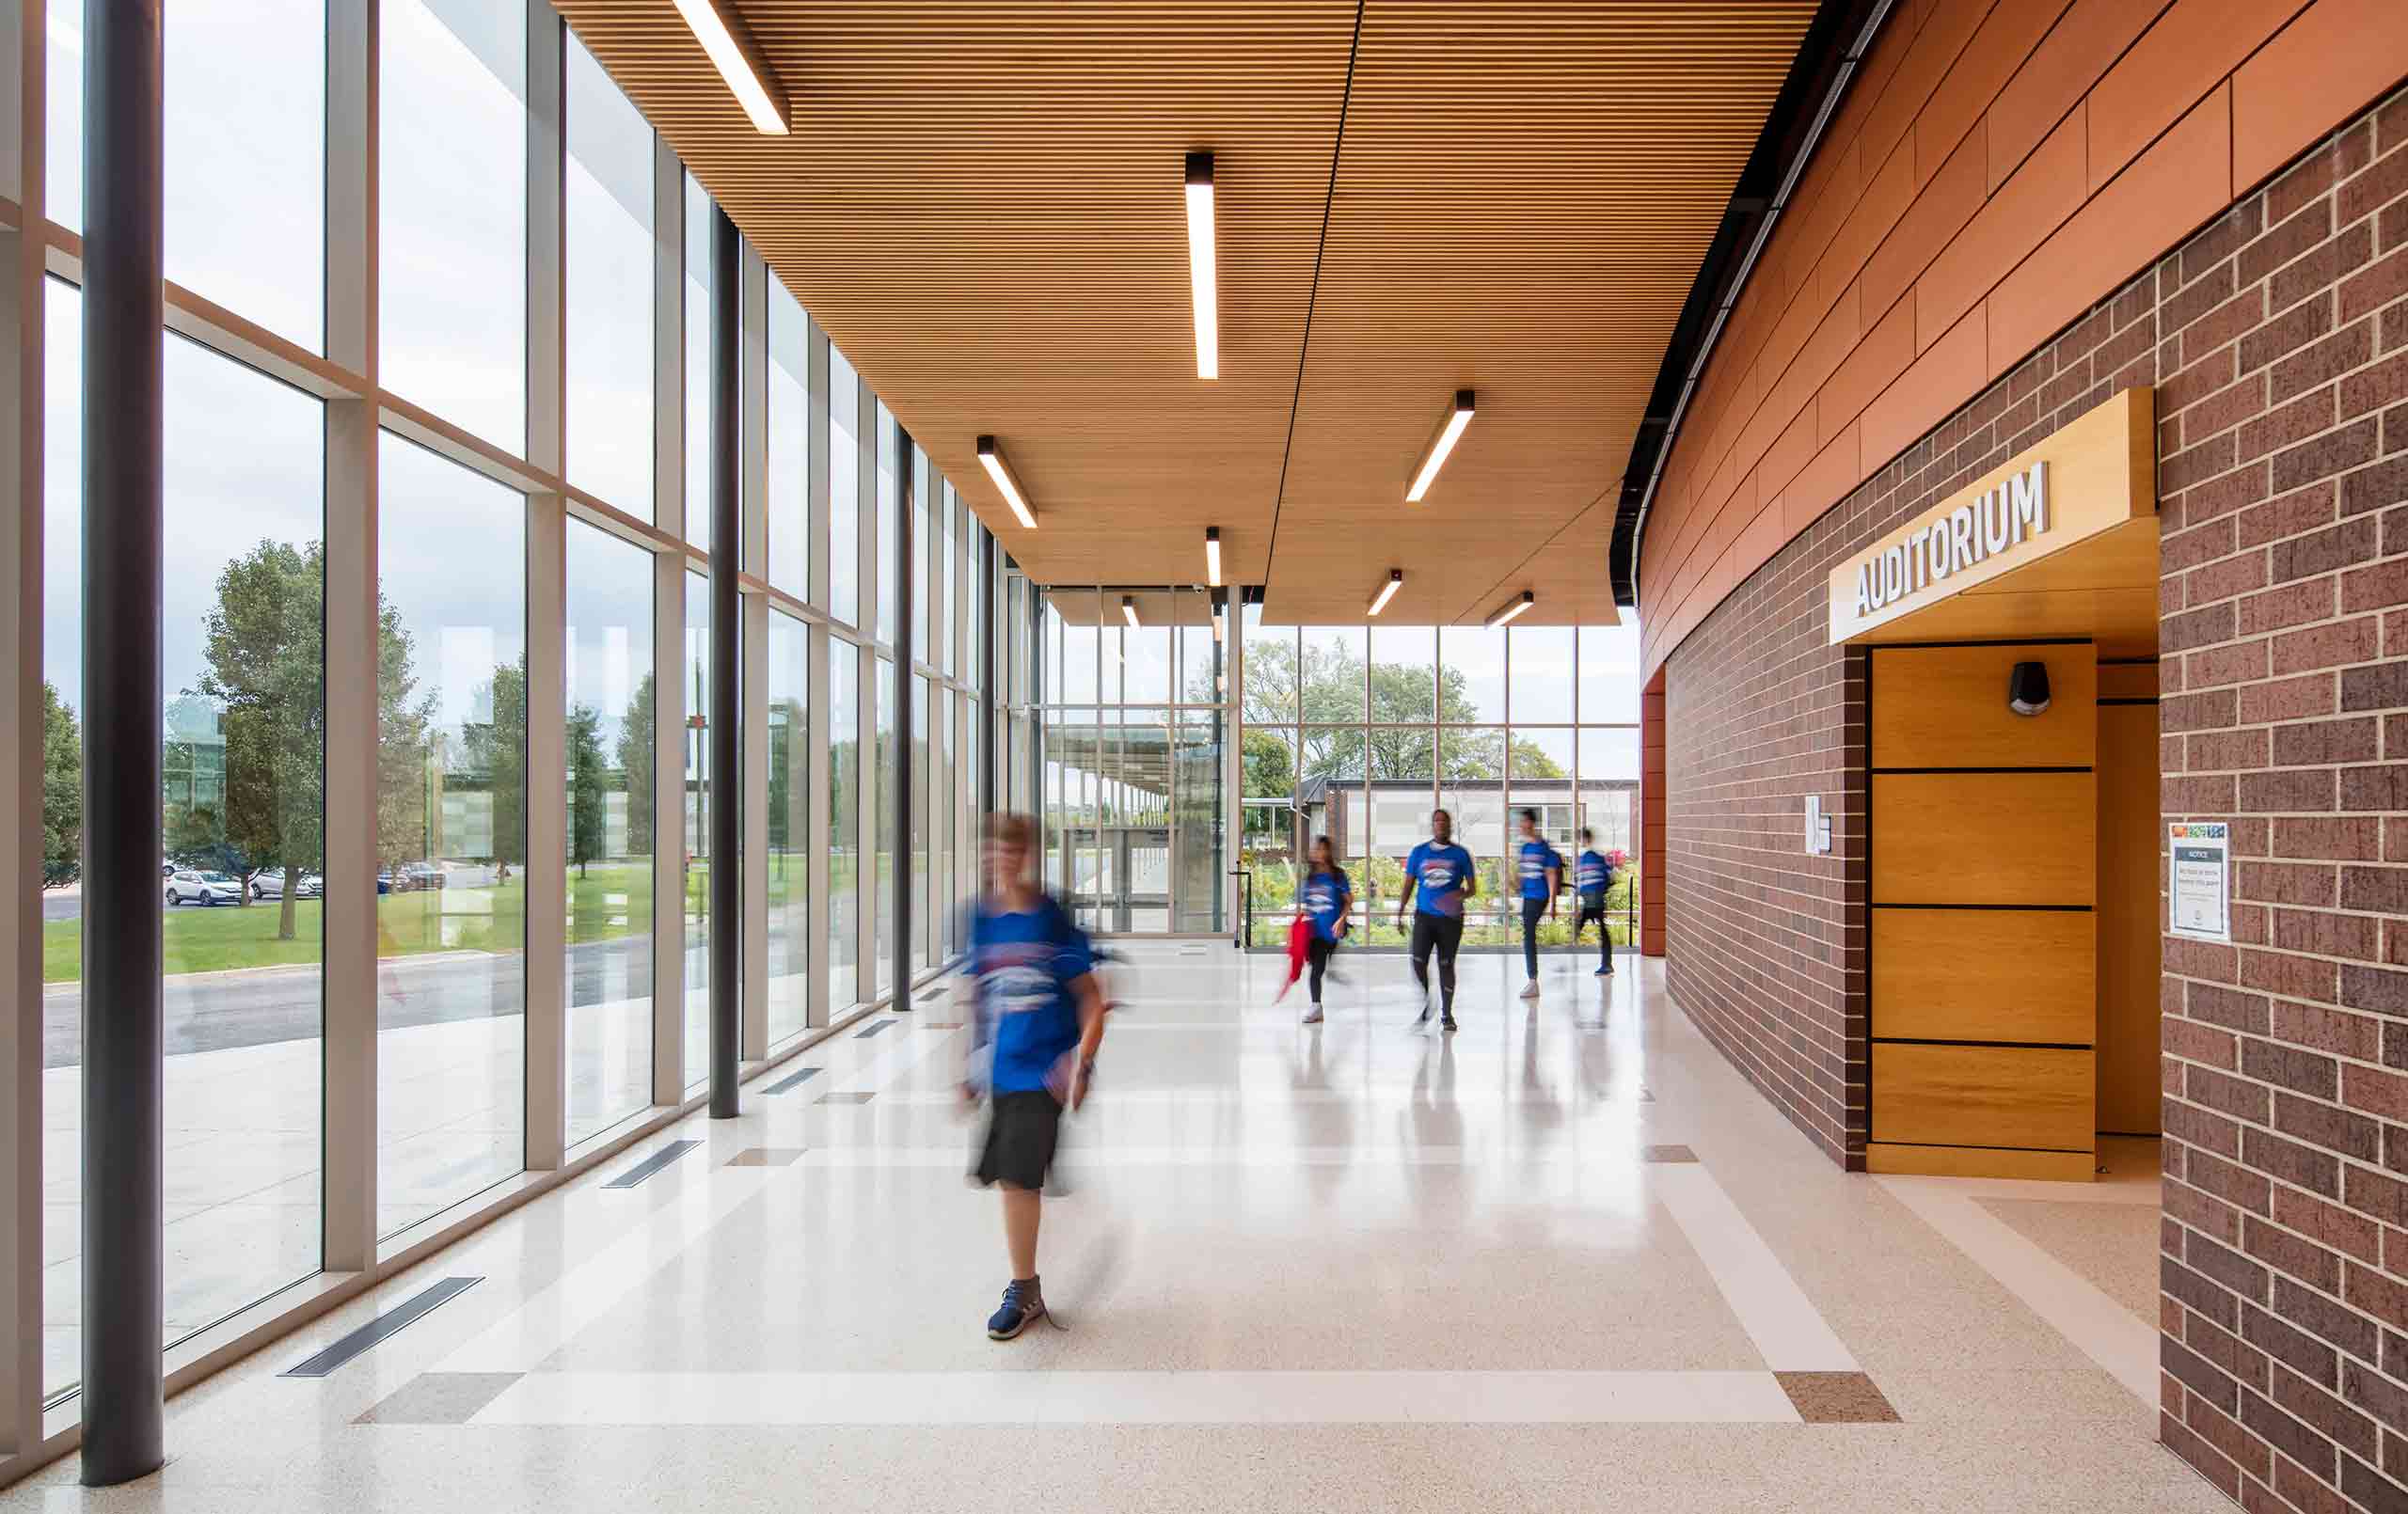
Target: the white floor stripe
(1140, 1399)
(1091, 1153)
(2110, 1334)
(1778, 1317)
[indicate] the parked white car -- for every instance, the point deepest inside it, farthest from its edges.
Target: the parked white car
(191, 886)
(270, 885)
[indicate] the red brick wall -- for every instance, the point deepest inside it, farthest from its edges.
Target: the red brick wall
(2277, 339)
(2283, 440)
(1765, 944)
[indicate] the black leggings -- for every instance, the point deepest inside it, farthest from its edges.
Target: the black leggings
(1318, 952)
(1446, 932)
(1604, 937)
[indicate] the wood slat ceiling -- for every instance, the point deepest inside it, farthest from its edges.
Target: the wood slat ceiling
(982, 204)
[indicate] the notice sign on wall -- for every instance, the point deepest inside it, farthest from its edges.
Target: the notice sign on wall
(2199, 879)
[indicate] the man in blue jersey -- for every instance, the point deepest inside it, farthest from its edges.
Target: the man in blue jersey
(1542, 870)
(1038, 1019)
(1593, 875)
(1438, 879)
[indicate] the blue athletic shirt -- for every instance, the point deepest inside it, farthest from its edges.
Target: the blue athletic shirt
(1536, 856)
(1024, 962)
(1440, 876)
(1595, 876)
(1324, 899)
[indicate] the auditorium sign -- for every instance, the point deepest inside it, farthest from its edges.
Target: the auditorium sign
(2095, 474)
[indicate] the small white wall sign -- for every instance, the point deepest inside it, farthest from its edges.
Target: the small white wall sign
(2199, 879)
(1818, 826)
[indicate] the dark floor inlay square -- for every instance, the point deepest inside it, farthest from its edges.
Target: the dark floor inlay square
(766, 1157)
(940, 1025)
(865, 1034)
(1666, 1154)
(846, 1099)
(438, 1398)
(1836, 1398)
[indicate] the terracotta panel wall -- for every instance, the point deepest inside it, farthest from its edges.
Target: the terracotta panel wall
(2277, 342)
(2000, 166)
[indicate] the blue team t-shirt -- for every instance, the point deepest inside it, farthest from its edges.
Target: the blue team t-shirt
(1536, 857)
(1024, 962)
(1595, 876)
(1440, 876)
(1324, 899)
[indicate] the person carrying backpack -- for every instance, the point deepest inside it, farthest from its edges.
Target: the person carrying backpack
(1594, 874)
(1541, 868)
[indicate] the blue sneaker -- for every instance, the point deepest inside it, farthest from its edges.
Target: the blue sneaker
(1603, 972)
(1023, 1305)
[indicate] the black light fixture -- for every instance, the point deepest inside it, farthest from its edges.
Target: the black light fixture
(1512, 607)
(2027, 688)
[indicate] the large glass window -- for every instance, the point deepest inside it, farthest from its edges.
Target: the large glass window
(608, 250)
(452, 220)
(923, 589)
(609, 749)
(844, 822)
(844, 489)
(922, 923)
(695, 826)
(1543, 681)
(698, 365)
(786, 500)
(451, 797)
(242, 696)
(246, 161)
(1359, 738)
(881, 892)
(890, 471)
(788, 794)
(245, 196)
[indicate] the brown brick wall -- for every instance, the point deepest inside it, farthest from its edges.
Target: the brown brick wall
(2282, 361)
(1765, 944)
(2277, 339)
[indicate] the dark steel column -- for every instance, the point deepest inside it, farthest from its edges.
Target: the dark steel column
(906, 648)
(727, 637)
(124, 332)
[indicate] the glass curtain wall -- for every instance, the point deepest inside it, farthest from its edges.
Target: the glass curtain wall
(1132, 738)
(507, 565)
(1358, 733)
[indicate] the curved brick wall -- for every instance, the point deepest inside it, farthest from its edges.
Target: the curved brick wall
(1997, 170)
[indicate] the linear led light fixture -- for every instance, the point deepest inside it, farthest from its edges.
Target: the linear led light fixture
(1203, 265)
(1451, 431)
(739, 59)
(1388, 590)
(992, 459)
(1129, 610)
(1513, 610)
(1213, 556)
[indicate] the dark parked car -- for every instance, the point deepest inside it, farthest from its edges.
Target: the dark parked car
(417, 876)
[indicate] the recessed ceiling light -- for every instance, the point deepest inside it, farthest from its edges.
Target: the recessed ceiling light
(739, 59)
(991, 458)
(1213, 556)
(1451, 431)
(1513, 610)
(1388, 590)
(1202, 265)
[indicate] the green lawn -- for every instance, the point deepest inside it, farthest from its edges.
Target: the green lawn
(607, 902)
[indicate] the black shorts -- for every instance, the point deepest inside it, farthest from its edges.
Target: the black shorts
(1589, 912)
(1021, 1129)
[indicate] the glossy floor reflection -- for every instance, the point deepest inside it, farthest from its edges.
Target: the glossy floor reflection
(1566, 1258)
